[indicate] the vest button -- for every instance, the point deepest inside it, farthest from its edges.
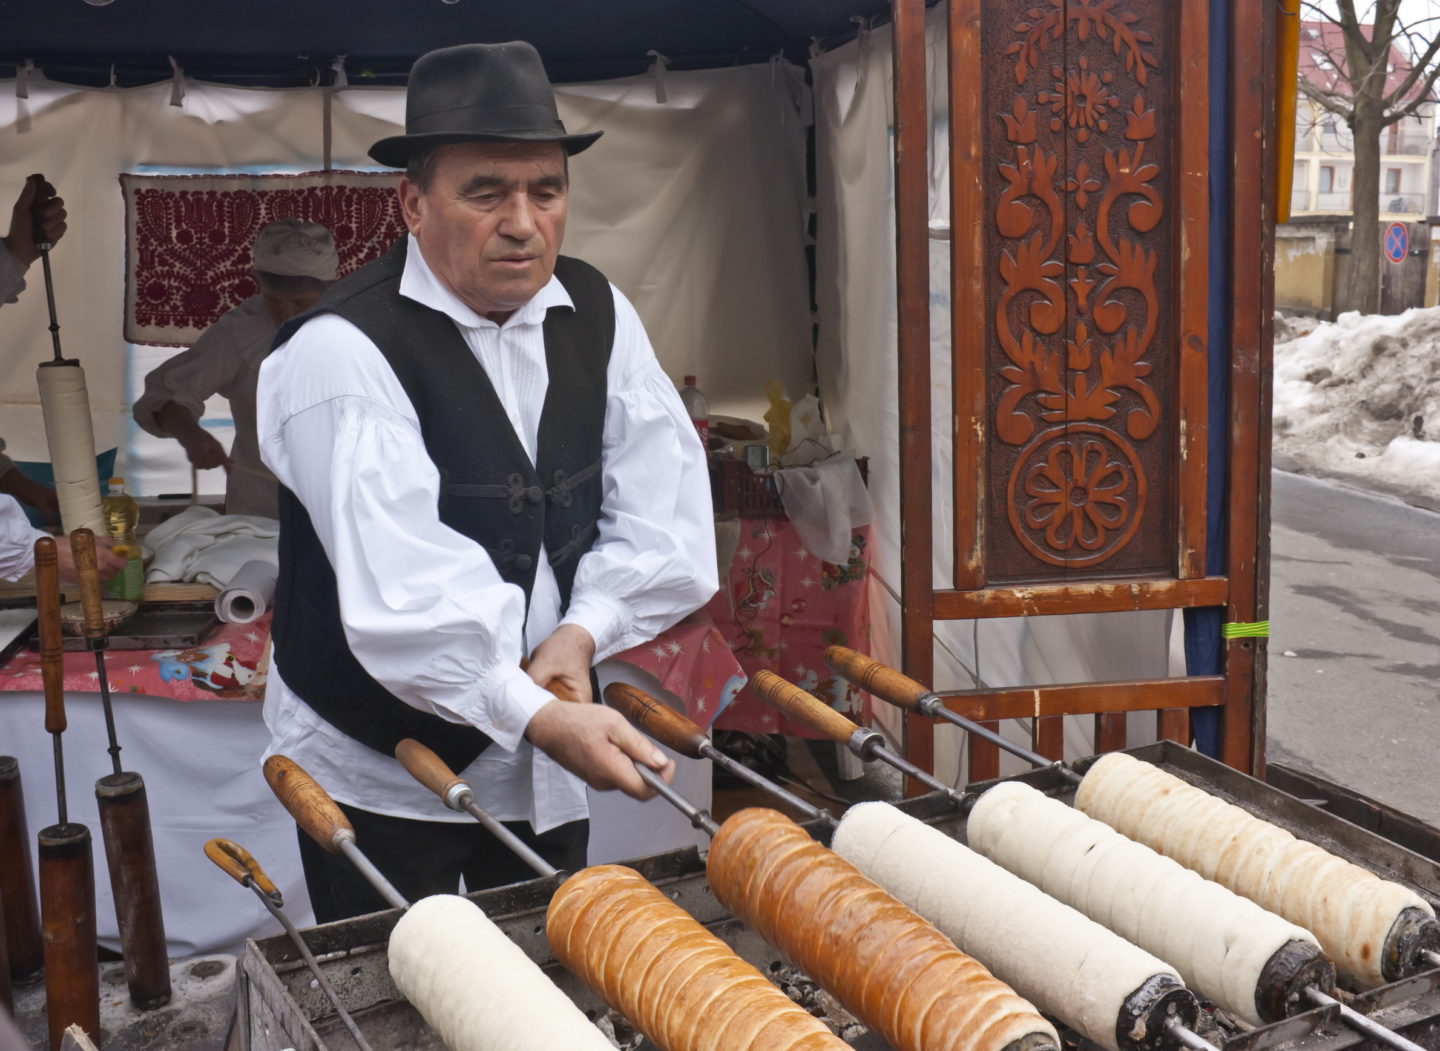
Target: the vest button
(534, 494)
(523, 562)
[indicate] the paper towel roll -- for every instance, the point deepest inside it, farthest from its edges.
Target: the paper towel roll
(248, 595)
(66, 406)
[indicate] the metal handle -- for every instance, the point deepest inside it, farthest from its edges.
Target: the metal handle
(657, 719)
(240, 865)
(432, 772)
(806, 707)
(52, 656)
(308, 803)
(876, 678)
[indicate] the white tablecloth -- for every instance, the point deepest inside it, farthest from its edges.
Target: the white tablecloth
(201, 764)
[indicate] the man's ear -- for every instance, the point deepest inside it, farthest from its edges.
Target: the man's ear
(410, 203)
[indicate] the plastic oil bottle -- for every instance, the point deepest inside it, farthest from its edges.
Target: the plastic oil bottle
(698, 408)
(122, 515)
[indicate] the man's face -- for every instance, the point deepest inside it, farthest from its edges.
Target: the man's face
(283, 304)
(491, 222)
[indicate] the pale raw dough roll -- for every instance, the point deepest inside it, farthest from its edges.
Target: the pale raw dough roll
(1065, 964)
(71, 437)
(1350, 909)
(476, 988)
(1217, 940)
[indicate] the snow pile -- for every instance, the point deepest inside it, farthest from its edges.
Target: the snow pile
(1360, 397)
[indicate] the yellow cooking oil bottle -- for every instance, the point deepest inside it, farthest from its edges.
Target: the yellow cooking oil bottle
(122, 515)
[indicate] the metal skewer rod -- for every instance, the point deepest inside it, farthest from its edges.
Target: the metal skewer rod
(97, 639)
(899, 689)
(699, 817)
(675, 731)
(867, 744)
(315, 812)
(1187, 1037)
(238, 863)
(432, 772)
(1358, 1022)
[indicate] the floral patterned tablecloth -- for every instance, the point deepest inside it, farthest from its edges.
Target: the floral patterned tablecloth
(780, 607)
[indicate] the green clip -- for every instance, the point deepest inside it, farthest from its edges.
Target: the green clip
(1259, 629)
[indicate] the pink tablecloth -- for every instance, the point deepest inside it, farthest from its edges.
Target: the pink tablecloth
(779, 609)
(228, 666)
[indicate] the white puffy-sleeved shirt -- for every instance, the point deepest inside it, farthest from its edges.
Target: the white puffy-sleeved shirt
(225, 360)
(17, 540)
(425, 610)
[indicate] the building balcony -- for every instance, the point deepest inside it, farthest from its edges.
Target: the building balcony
(1402, 203)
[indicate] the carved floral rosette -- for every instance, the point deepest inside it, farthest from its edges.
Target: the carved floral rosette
(1081, 323)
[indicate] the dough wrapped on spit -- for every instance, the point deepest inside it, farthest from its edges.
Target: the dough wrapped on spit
(901, 977)
(1225, 947)
(1069, 966)
(477, 988)
(1350, 910)
(683, 987)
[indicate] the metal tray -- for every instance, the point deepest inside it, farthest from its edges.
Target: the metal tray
(155, 626)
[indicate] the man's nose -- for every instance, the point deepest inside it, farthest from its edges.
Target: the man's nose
(518, 222)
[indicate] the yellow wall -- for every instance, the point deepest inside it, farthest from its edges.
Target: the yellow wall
(1304, 270)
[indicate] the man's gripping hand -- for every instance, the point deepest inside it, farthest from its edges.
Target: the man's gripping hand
(597, 745)
(564, 659)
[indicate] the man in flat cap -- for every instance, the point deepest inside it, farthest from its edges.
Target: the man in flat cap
(481, 461)
(293, 263)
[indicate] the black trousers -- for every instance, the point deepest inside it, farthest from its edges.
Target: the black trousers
(427, 857)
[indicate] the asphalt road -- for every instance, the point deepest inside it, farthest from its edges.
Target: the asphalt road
(1354, 686)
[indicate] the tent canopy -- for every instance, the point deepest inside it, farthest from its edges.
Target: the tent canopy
(283, 43)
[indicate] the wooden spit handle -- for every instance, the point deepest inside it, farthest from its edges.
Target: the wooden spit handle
(240, 865)
(561, 691)
(875, 678)
(806, 707)
(428, 768)
(52, 655)
(308, 803)
(657, 719)
(82, 547)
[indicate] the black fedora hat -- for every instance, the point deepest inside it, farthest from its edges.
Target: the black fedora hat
(477, 93)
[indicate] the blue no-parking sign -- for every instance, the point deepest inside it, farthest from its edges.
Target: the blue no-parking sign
(1397, 242)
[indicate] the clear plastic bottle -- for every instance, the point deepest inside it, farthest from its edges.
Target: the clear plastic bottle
(698, 406)
(122, 515)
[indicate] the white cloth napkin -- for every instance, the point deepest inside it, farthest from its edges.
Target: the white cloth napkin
(198, 544)
(826, 502)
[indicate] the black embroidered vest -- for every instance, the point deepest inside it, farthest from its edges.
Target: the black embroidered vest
(489, 489)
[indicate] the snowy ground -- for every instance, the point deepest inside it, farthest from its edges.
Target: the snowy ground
(1359, 398)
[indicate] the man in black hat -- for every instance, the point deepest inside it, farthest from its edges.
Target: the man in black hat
(480, 460)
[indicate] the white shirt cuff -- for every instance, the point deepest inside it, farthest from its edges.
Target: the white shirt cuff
(519, 697)
(605, 618)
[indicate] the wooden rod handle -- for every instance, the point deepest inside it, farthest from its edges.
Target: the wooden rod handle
(308, 803)
(239, 864)
(806, 707)
(428, 768)
(561, 691)
(875, 678)
(656, 718)
(87, 573)
(52, 654)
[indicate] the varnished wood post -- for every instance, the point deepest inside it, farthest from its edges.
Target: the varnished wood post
(1251, 54)
(17, 879)
(912, 275)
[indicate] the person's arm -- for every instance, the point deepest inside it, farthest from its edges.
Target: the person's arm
(424, 609)
(20, 249)
(654, 559)
(17, 547)
(175, 393)
(15, 482)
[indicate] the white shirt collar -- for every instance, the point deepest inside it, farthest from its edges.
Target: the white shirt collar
(420, 283)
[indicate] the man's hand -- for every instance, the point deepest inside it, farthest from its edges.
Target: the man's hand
(106, 560)
(565, 657)
(21, 238)
(205, 451)
(597, 745)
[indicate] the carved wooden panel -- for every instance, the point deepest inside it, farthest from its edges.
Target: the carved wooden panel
(1080, 151)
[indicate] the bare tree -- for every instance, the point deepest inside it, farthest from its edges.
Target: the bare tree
(1370, 91)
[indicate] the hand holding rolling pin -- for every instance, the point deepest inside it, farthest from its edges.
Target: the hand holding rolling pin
(107, 561)
(38, 217)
